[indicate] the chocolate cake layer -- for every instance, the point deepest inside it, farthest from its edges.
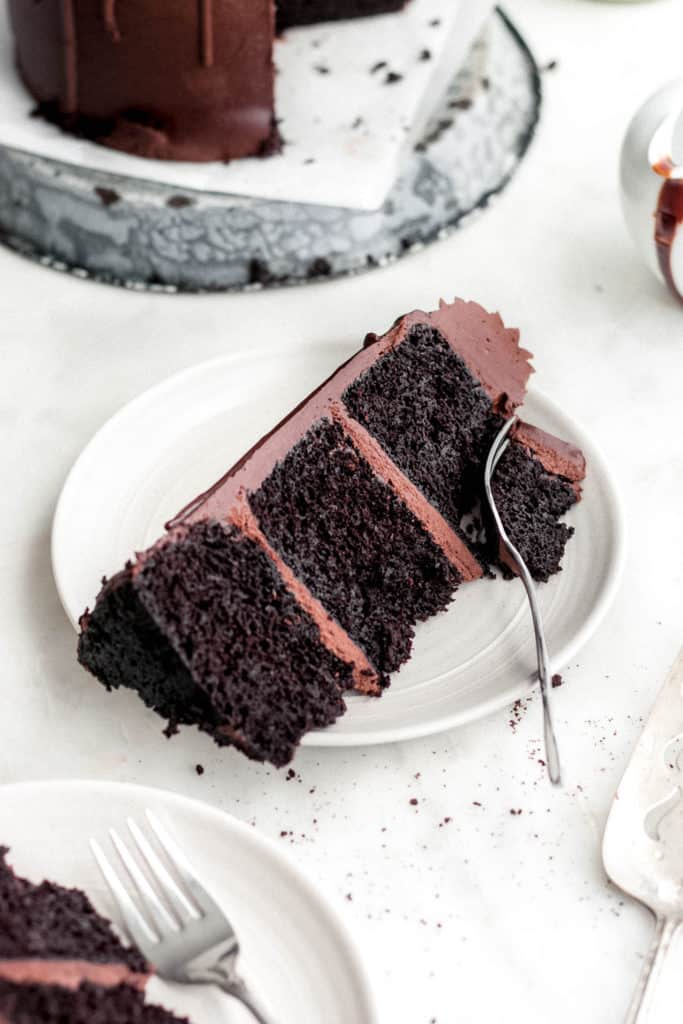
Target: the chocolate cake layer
(431, 415)
(89, 1004)
(203, 627)
(169, 79)
(346, 534)
(50, 933)
(306, 12)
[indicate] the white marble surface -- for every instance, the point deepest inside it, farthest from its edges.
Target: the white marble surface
(491, 915)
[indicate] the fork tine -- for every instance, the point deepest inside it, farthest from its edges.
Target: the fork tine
(201, 897)
(136, 925)
(166, 882)
(163, 921)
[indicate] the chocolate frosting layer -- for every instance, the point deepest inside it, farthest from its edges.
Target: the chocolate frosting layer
(490, 350)
(556, 456)
(70, 973)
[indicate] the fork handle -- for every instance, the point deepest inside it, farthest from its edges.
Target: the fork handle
(643, 998)
(236, 988)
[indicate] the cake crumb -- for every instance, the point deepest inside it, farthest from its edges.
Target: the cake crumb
(107, 196)
(413, 801)
(515, 812)
(199, 768)
(557, 680)
(426, 55)
(378, 67)
(392, 77)
(179, 202)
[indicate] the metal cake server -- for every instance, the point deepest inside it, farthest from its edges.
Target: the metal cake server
(643, 844)
(552, 754)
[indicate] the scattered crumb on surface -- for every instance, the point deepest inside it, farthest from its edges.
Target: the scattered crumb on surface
(108, 196)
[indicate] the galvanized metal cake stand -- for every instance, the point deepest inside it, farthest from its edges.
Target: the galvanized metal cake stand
(141, 235)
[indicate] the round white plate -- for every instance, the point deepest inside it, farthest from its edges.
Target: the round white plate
(295, 952)
(172, 442)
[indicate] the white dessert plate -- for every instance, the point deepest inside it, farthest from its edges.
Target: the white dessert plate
(296, 952)
(175, 440)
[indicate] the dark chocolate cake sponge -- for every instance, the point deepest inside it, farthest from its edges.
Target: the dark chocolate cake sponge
(89, 1004)
(44, 923)
(204, 629)
(354, 544)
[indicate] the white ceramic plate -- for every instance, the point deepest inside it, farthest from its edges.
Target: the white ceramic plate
(172, 442)
(296, 953)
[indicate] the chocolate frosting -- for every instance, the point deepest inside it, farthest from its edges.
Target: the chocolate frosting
(490, 350)
(70, 973)
(556, 456)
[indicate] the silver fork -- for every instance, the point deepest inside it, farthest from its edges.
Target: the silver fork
(186, 937)
(552, 754)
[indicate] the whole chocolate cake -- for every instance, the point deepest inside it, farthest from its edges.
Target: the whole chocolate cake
(303, 572)
(169, 79)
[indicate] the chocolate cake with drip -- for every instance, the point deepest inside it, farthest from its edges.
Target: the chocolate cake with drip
(88, 1004)
(303, 572)
(52, 935)
(168, 79)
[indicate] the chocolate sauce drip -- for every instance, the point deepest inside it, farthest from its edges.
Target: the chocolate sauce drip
(69, 42)
(668, 216)
(206, 32)
(111, 24)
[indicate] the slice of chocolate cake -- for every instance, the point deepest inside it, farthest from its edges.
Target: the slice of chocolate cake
(88, 1004)
(52, 935)
(304, 571)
